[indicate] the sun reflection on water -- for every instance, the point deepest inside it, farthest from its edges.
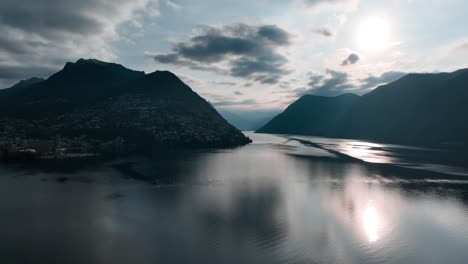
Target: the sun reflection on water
(366, 151)
(371, 222)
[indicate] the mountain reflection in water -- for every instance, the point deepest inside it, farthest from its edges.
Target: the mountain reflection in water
(278, 200)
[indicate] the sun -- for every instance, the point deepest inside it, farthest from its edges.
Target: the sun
(374, 34)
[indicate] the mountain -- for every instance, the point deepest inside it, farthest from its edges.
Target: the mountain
(79, 83)
(422, 109)
(311, 115)
(96, 105)
(248, 120)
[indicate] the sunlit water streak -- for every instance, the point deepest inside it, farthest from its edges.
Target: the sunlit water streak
(371, 222)
(398, 155)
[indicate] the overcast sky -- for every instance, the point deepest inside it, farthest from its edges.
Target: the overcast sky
(240, 54)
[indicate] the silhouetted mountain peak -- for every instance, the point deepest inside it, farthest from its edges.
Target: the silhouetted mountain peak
(94, 73)
(92, 61)
(164, 75)
(94, 64)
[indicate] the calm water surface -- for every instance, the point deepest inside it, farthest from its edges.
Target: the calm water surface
(282, 199)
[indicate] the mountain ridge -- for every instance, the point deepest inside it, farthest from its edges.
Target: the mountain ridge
(422, 109)
(99, 102)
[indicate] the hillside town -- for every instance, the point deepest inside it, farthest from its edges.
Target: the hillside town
(119, 125)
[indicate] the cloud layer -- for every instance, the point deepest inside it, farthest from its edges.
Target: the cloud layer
(333, 83)
(38, 36)
(330, 84)
(240, 50)
(387, 77)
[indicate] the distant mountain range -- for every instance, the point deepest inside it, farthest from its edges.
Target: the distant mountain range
(248, 120)
(421, 109)
(96, 104)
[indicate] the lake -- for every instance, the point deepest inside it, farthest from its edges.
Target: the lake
(282, 199)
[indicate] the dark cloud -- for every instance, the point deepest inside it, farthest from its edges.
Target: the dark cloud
(274, 33)
(250, 51)
(44, 34)
(387, 77)
(322, 31)
(176, 59)
(225, 83)
(167, 58)
(48, 17)
(315, 80)
(213, 48)
(351, 59)
(264, 67)
(238, 93)
(331, 83)
(334, 83)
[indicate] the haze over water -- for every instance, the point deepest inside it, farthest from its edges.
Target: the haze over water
(277, 200)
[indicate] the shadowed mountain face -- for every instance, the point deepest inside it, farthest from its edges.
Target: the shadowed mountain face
(101, 101)
(423, 109)
(312, 115)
